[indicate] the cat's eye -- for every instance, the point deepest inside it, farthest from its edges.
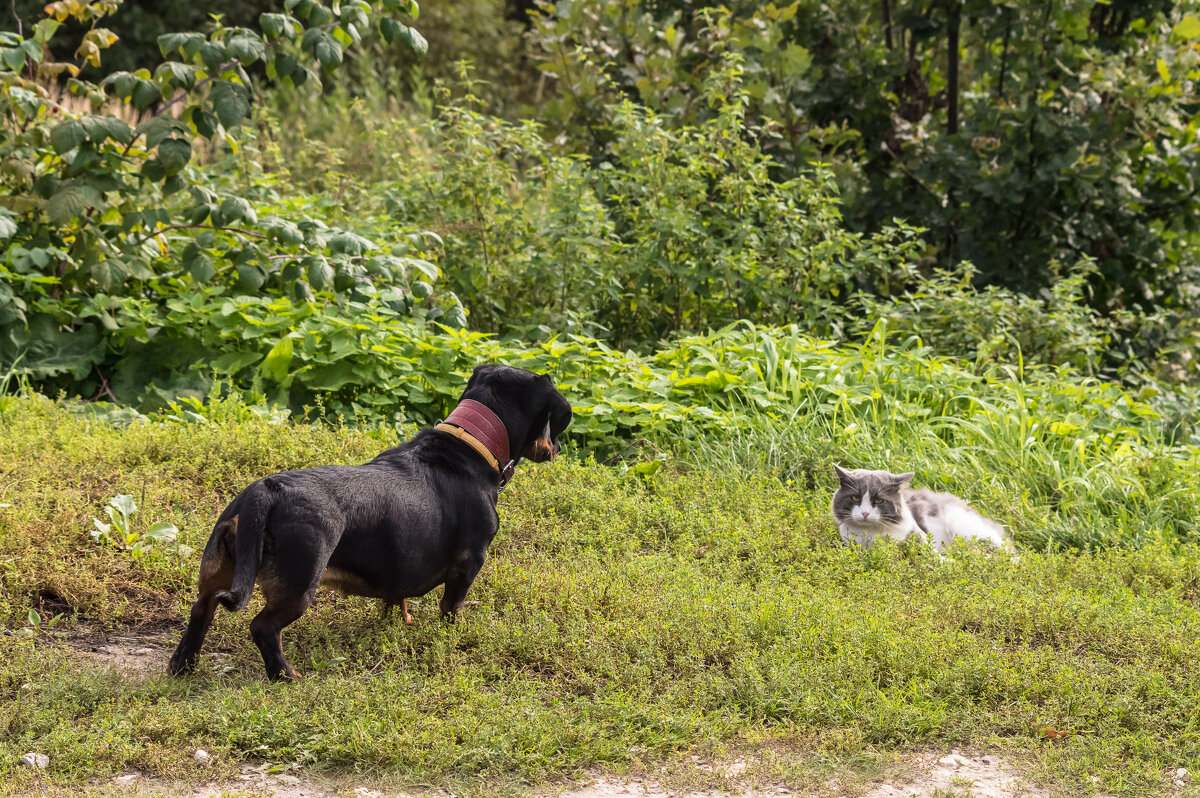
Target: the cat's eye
(855, 498)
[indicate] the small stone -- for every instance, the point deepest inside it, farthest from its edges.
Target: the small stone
(1179, 783)
(288, 779)
(35, 760)
(200, 755)
(953, 761)
(1182, 774)
(128, 777)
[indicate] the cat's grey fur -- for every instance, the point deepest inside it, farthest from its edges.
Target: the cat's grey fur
(873, 504)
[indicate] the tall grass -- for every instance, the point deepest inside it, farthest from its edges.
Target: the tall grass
(1062, 460)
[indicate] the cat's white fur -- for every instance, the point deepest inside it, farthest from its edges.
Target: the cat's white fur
(954, 518)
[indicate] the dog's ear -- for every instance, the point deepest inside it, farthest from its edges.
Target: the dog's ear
(480, 371)
(560, 414)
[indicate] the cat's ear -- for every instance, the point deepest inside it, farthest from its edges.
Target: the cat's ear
(900, 479)
(843, 476)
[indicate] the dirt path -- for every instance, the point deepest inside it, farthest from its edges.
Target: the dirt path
(931, 775)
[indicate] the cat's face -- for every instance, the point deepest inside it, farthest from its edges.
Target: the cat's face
(868, 498)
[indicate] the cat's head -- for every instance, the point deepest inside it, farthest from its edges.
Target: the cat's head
(865, 498)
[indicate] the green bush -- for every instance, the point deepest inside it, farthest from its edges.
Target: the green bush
(103, 196)
(1016, 135)
(668, 231)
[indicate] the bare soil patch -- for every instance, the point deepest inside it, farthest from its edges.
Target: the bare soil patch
(928, 775)
(131, 651)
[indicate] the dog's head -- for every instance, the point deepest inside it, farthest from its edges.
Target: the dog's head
(532, 410)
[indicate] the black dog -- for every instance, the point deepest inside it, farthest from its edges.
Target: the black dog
(417, 516)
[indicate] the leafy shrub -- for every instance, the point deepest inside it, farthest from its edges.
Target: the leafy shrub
(997, 325)
(670, 230)
(1016, 135)
(94, 206)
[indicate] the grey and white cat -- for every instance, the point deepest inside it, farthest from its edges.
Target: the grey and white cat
(873, 504)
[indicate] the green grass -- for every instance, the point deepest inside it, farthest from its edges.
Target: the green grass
(621, 619)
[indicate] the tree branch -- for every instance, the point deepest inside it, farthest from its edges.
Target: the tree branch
(169, 228)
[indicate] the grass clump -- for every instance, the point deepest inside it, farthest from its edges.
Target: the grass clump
(624, 615)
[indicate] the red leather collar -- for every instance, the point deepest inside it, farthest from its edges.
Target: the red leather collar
(486, 427)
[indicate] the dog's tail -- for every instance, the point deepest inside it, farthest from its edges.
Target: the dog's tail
(255, 505)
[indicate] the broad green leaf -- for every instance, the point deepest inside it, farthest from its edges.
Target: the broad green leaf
(201, 269)
(320, 273)
(235, 209)
(124, 504)
(154, 170)
(175, 153)
(158, 128)
(346, 243)
(71, 200)
(251, 277)
(233, 362)
(287, 233)
(277, 362)
(427, 268)
(328, 52)
(122, 83)
(186, 43)
(246, 48)
(118, 130)
(213, 55)
(204, 122)
(274, 25)
(13, 58)
(8, 223)
(332, 377)
(230, 101)
(1187, 28)
(109, 274)
(145, 94)
(45, 29)
(176, 75)
(390, 29)
(163, 532)
(393, 30)
(67, 135)
(417, 42)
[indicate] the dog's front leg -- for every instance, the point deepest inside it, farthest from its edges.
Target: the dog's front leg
(458, 582)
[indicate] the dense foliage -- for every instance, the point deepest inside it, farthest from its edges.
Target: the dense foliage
(1016, 133)
(94, 205)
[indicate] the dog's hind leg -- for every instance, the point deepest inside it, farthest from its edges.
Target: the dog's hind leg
(216, 574)
(283, 607)
(387, 611)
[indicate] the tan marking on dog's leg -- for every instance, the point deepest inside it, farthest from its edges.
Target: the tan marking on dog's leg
(408, 619)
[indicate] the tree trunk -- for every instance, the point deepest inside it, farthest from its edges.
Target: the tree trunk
(887, 23)
(952, 26)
